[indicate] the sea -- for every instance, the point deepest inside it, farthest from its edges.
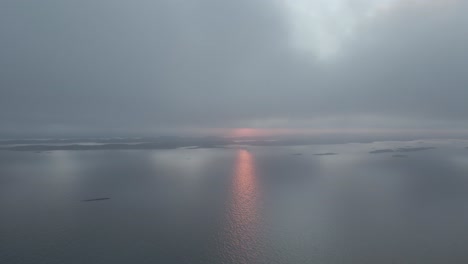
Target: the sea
(379, 202)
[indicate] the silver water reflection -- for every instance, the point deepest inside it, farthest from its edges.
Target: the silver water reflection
(239, 245)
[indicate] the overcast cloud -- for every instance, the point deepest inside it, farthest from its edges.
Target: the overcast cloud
(170, 66)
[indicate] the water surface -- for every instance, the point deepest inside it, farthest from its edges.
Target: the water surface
(237, 205)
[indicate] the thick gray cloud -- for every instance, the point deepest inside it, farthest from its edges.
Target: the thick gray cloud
(89, 67)
(411, 61)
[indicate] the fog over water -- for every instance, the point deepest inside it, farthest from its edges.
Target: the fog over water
(243, 204)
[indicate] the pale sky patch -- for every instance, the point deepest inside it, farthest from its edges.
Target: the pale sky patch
(321, 27)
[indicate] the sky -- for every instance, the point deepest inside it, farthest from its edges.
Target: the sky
(114, 67)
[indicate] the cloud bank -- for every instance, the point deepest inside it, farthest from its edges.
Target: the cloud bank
(149, 67)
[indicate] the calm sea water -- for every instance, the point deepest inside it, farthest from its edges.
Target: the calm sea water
(236, 205)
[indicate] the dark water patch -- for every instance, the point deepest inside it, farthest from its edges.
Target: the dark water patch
(326, 154)
(377, 151)
(96, 199)
(409, 149)
(399, 156)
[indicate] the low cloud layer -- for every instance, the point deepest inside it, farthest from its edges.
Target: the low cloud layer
(115, 67)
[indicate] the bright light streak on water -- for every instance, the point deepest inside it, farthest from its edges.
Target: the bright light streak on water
(242, 218)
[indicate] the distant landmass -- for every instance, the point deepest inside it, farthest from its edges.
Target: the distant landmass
(106, 147)
(167, 142)
(405, 149)
(114, 144)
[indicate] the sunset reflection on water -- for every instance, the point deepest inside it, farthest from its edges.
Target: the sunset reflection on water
(242, 218)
